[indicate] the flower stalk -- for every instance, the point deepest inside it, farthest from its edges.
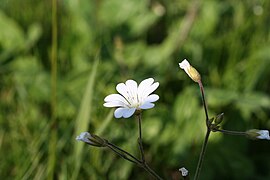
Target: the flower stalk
(196, 77)
(207, 135)
(143, 162)
(236, 133)
(139, 116)
(96, 141)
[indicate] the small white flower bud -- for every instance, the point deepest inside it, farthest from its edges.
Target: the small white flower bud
(184, 171)
(84, 137)
(258, 134)
(191, 71)
(91, 139)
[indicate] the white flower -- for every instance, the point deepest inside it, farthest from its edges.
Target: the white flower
(132, 97)
(263, 134)
(191, 71)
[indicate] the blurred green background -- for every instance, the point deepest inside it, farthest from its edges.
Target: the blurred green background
(45, 105)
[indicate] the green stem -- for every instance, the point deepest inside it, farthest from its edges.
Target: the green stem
(202, 154)
(112, 146)
(152, 172)
(208, 125)
(143, 163)
(204, 102)
(53, 136)
(123, 155)
(237, 133)
(140, 137)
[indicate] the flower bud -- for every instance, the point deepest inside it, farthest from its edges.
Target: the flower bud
(219, 118)
(191, 71)
(184, 172)
(91, 139)
(258, 134)
(210, 121)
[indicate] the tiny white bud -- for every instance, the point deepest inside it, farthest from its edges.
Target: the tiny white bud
(258, 134)
(84, 137)
(263, 134)
(191, 71)
(184, 171)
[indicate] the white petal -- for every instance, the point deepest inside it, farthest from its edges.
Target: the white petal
(147, 105)
(132, 84)
(114, 104)
(129, 112)
(84, 136)
(184, 64)
(145, 84)
(124, 112)
(264, 134)
(146, 87)
(122, 89)
(118, 113)
(150, 89)
(115, 97)
(133, 89)
(152, 98)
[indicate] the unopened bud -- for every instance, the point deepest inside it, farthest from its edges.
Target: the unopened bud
(219, 118)
(184, 172)
(258, 134)
(91, 139)
(210, 121)
(191, 71)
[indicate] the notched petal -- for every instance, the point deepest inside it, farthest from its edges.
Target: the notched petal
(147, 105)
(152, 98)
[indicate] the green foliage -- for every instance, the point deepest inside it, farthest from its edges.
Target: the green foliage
(102, 43)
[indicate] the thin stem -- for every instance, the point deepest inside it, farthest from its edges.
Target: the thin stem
(204, 102)
(152, 172)
(123, 155)
(123, 151)
(202, 154)
(237, 133)
(140, 137)
(53, 136)
(143, 162)
(132, 159)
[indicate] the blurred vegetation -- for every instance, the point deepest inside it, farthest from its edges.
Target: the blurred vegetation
(102, 43)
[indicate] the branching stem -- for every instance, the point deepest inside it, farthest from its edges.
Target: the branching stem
(143, 162)
(208, 125)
